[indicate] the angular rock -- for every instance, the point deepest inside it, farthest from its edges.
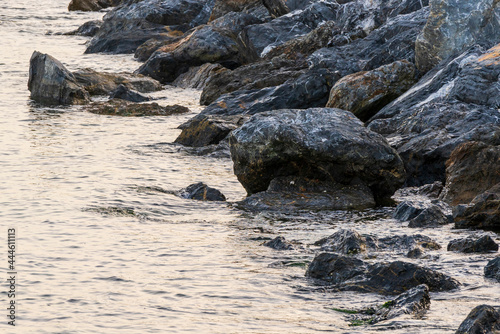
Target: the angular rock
(473, 244)
(279, 8)
(343, 241)
(349, 274)
(431, 190)
(92, 5)
(471, 170)
(482, 319)
(222, 7)
(117, 107)
(279, 243)
(128, 26)
(401, 243)
(428, 122)
(421, 211)
(432, 216)
(492, 269)
(319, 143)
(365, 93)
(197, 77)
(293, 193)
(455, 25)
(87, 29)
(51, 83)
(125, 93)
(483, 212)
(146, 49)
(103, 83)
(252, 76)
(200, 191)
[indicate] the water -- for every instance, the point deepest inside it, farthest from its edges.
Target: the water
(97, 253)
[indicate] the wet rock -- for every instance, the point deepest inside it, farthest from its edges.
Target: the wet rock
(401, 243)
(365, 93)
(472, 169)
(252, 76)
(223, 7)
(492, 269)
(51, 83)
(125, 93)
(118, 107)
(432, 216)
(87, 29)
(197, 77)
(279, 243)
(293, 193)
(92, 5)
(103, 83)
(482, 319)
(343, 241)
(483, 212)
(200, 191)
(208, 130)
(429, 121)
(455, 25)
(324, 144)
(349, 274)
(423, 209)
(415, 253)
(146, 49)
(473, 244)
(431, 190)
(128, 26)
(282, 7)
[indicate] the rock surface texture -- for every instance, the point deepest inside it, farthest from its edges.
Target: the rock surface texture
(482, 319)
(473, 244)
(492, 269)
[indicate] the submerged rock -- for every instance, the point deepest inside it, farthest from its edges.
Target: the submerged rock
(200, 191)
(492, 269)
(92, 5)
(350, 274)
(482, 319)
(455, 25)
(117, 107)
(343, 241)
(125, 93)
(472, 169)
(324, 144)
(51, 83)
(365, 93)
(483, 212)
(87, 29)
(401, 243)
(473, 244)
(279, 243)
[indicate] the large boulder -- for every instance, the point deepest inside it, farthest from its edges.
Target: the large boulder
(482, 319)
(324, 144)
(52, 84)
(455, 25)
(472, 168)
(365, 93)
(432, 118)
(483, 211)
(351, 274)
(128, 26)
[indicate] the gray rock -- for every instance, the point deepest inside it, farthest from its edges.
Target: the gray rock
(279, 243)
(473, 244)
(125, 93)
(420, 211)
(223, 7)
(200, 191)
(51, 83)
(432, 216)
(321, 143)
(118, 107)
(198, 77)
(343, 241)
(455, 25)
(492, 269)
(483, 212)
(401, 243)
(482, 319)
(87, 29)
(92, 5)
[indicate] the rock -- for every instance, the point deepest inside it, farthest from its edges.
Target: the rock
(197, 77)
(471, 170)
(293, 193)
(344, 241)
(279, 243)
(482, 319)
(473, 244)
(128, 26)
(409, 209)
(222, 7)
(200, 191)
(424, 209)
(208, 130)
(401, 243)
(432, 216)
(125, 93)
(258, 75)
(92, 5)
(455, 25)
(103, 83)
(429, 121)
(483, 212)
(309, 90)
(87, 29)
(146, 49)
(51, 83)
(350, 274)
(492, 269)
(430, 190)
(117, 107)
(415, 253)
(416, 302)
(365, 93)
(320, 143)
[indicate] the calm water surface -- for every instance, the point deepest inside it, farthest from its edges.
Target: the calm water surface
(100, 253)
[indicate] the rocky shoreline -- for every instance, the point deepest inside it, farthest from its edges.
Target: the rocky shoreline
(324, 105)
